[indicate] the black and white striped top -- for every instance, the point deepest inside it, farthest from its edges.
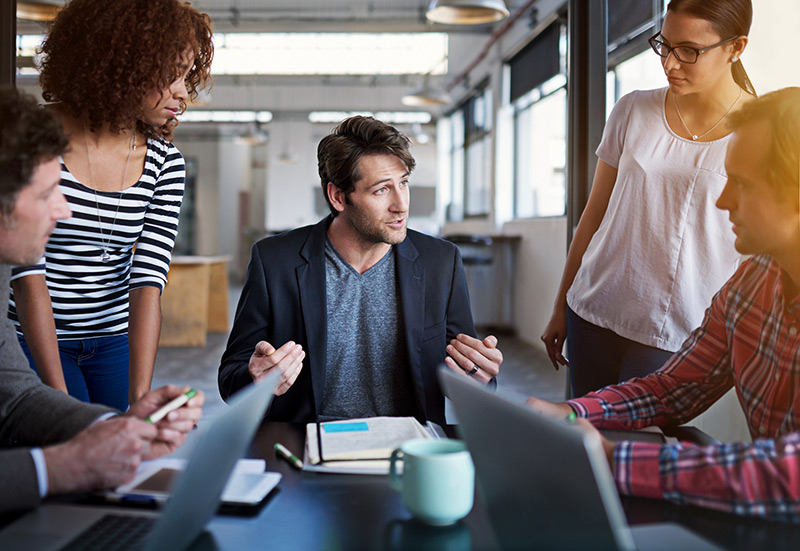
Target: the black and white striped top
(90, 297)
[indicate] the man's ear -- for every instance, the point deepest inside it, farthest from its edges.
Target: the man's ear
(336, 197)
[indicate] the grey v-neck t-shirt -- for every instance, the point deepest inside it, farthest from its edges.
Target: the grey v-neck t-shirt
(367, 371)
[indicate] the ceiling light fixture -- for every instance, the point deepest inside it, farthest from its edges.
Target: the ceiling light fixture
(467, 12)
(254, 135)
(38, 11)
(426, 95)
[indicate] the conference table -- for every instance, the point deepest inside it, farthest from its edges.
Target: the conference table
(317, 511)
(341, 511)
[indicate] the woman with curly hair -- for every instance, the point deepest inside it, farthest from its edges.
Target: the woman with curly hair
(116, 74)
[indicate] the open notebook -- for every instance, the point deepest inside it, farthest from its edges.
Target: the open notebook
(360, 446)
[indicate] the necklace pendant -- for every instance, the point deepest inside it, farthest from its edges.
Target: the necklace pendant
(105, 257)
(695, 137)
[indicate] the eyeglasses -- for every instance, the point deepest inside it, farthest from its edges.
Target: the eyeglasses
(684, 54)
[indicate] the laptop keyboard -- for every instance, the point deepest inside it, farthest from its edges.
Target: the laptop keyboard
(112, 532)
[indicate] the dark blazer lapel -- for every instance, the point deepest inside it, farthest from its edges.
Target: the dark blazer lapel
(411, 279)
(311, 285)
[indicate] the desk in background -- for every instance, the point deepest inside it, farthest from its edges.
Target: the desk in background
(489, 267)
(195, 300)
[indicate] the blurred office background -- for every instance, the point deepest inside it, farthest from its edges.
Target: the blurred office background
(504, 117)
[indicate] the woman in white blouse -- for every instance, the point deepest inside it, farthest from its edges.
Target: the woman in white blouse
(651, 249)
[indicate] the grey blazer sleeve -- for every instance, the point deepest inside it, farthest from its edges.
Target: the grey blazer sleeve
(31, 414)
(19, 486)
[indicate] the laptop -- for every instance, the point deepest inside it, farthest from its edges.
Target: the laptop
(195, 497)
(547, 484)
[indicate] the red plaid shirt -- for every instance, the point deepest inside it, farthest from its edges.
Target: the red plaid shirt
(749, 339)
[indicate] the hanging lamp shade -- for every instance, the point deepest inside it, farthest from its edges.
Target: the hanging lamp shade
(254, 135)
(38, 10)
(426, 96)
(467, 12)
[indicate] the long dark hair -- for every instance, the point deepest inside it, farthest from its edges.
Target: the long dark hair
(727, 18)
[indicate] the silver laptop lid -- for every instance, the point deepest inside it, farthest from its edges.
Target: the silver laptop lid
(546, 484)
(218, 447)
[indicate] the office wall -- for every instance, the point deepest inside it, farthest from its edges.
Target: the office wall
(223, 172)
(293, 192)
(207, 192)
(770, 57)
(292, 177)
(540, 259)
(234, 177)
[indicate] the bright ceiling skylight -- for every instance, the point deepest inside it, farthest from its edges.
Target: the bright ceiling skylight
(196, 115)
(313, 53)
(389, 117)
(329, 53)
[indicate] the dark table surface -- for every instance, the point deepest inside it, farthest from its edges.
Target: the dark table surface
(337, 511)
(315, 511)
(333, 511)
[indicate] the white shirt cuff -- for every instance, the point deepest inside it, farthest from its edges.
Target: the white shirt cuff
(105, 416)
(41, 465)
(41, 470)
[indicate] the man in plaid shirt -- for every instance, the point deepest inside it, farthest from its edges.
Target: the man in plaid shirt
(748, 340)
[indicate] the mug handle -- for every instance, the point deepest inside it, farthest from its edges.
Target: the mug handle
(395, 479)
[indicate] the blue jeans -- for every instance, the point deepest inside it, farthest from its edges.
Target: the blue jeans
(599, 357)
(95, 370)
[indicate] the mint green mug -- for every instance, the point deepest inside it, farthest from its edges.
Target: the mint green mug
(438, 479)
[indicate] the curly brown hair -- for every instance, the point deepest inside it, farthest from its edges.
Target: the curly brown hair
(339, 154)
(100, 58)
(29, 136)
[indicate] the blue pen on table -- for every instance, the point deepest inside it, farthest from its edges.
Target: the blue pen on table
(171, 405)
(284, 452)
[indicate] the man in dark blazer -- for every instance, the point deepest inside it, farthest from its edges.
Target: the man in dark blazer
(85, 447)
(356, 311)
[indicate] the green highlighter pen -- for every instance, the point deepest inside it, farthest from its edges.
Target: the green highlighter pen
(572, 417)
(171, 405)
(284, 452)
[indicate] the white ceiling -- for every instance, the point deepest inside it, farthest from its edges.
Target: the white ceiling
(315, 15)
(299, 94)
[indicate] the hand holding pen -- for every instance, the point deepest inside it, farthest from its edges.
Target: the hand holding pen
(173, 411)
(172, 405)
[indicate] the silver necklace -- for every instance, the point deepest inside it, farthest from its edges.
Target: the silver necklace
(694, 136)
(105, 244)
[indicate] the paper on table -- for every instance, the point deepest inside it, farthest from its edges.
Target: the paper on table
(159, 488)
(360, 446)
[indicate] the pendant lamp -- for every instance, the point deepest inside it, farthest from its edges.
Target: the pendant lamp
(467, 12)
(426, 96)
(38, 10)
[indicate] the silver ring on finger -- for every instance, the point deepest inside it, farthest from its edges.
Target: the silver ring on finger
(473, 371)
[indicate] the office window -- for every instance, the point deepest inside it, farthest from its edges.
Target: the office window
(471, 157)
(539, 104)
(540, 129)
(632, 63)
(641, 72)
(455, 209)
(478, 143)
